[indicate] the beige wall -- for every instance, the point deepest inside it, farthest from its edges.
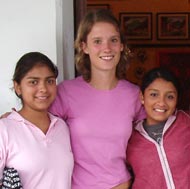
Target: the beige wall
(34, 25)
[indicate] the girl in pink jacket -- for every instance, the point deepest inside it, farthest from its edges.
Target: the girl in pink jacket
(159, 149)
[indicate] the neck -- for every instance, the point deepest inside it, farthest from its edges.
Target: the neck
(39, 118)
(104, 82)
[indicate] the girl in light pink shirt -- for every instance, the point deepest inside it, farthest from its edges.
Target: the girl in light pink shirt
(33, 141)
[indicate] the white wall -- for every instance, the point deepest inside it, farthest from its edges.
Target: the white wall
(34, 25)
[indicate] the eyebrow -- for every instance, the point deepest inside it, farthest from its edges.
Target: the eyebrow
(33, 77)
(159, 90)
(99, 37)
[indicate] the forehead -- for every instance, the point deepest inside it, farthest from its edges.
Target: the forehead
(103, 26)
(162, 85)
(39, 70)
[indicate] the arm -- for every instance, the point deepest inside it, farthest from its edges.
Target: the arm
(2, 151)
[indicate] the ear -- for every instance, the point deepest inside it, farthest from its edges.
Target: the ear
(141, 96)
(84, 47)
(17, 88)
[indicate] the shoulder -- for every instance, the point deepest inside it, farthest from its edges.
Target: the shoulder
(129, 89)
(183, 117)
(72, 82)
(9, 125)
(182, 113)
(12, 118)
(72, 87)
(137, 132)
(127, 84)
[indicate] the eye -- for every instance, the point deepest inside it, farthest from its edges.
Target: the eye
(114, 40)
(51, 81)
(153, 94)
(33, 82)
(97, 41)
(171, 97)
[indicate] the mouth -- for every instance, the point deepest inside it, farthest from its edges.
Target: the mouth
(110, 57)
(42, 97)
(160, 110)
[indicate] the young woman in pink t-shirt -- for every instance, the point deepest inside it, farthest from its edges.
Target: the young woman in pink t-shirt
(99, 106)
(33, 141)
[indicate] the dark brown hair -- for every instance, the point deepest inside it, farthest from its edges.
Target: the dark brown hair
(29, 61)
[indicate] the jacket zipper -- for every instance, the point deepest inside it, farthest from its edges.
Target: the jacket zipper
(165, 165)
(163, 160)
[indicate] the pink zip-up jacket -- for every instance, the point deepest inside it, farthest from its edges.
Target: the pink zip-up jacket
(165, 165)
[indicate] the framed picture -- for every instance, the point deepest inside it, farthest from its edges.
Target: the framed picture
(98, 6)
(172, 26)
(136, 26)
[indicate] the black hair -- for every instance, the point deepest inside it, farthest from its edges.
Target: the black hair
(159, 72)
(28, 61)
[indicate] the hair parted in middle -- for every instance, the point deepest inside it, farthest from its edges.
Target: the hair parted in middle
(28, 61)
(82, 60)
(160, 72)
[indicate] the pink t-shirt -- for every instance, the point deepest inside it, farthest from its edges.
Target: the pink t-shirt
(42, 161)
(100, 123)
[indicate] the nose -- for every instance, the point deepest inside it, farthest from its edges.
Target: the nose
(107, 46)
(162, 101)
(42, 87)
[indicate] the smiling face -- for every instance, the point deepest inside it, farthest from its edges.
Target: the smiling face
(159, 100)
(103, 47)
(37, 89)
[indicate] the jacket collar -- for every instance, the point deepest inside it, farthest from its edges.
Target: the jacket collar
(139, 126)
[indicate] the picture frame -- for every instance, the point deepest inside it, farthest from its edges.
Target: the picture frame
(136, 26)
(172, 26)
(97, 6)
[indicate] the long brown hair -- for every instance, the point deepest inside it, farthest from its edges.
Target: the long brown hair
(82, 60)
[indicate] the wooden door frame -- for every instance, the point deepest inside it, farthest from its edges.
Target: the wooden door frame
(79, 12)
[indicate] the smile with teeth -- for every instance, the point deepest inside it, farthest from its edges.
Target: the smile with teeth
(42, 97)
(160, 110)
(107, 57)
